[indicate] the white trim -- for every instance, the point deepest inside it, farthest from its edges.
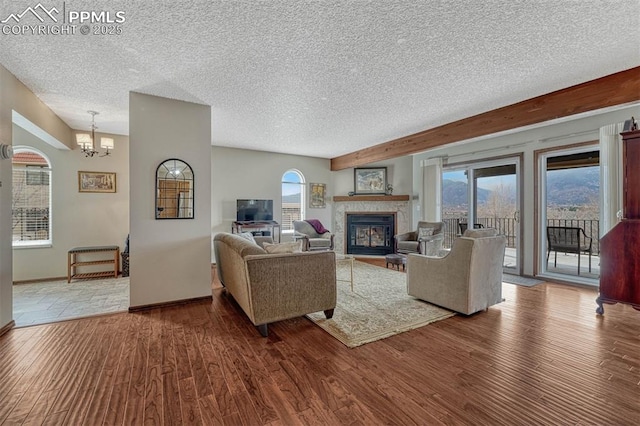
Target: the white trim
(21, 245)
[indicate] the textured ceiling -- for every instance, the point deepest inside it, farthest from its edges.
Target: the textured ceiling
(321, 78)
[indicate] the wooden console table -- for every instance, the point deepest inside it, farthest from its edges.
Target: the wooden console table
(261, 226)
(73, 263)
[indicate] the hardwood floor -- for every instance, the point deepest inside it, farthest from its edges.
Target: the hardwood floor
(541, 357)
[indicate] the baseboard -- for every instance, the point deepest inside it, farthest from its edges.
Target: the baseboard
(40, 280)
(168, 304)
(44, 280)
(7, 327)
(567, 282)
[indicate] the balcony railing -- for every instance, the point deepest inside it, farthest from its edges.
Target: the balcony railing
(507, 227)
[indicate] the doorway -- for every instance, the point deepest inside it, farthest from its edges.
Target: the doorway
(569, 214)
(49, 216)
(484, 195)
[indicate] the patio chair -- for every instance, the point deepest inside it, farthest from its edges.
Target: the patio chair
(463, 226)
(568, 239)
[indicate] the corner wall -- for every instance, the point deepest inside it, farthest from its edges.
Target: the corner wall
(399, 174)
(242, 173)
(170, 260)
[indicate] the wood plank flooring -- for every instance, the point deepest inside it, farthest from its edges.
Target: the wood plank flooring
(541, 357)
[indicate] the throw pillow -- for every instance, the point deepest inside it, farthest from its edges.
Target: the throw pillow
(248, 236)
(292, 247)
(424, 233)
(432, 248)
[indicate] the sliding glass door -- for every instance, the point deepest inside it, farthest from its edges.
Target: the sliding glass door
(484, 195)
(569, 227)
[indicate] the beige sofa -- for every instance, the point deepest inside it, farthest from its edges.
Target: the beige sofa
(466, 280)
(274, 287)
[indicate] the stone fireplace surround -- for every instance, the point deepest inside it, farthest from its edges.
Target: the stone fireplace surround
(398, 204)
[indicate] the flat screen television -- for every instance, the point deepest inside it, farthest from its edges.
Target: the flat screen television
(254, 210)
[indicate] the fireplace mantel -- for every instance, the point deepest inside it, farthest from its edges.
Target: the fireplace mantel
(343, 198)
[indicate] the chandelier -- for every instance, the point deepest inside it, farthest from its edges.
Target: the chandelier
(86, 140)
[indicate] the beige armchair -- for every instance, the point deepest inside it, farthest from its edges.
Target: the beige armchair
(466, 280)
(430, 242)
(311, 239)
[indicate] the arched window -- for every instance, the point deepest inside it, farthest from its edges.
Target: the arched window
(292, 199)
(31, 202)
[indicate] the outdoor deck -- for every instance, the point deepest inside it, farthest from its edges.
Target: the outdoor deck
(567, 264)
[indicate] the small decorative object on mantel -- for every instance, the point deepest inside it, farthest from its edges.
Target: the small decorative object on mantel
(317, 196)
(389, 189)
(351, 193)
(370, 180)
(630, 125)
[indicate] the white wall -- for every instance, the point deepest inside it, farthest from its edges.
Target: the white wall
(526, 142)
(399, 174)
(15, 96)
(241, 173)
(170, 260)
(78, 219)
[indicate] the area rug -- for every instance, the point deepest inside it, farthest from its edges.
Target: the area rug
(378, 307)
(518, 280)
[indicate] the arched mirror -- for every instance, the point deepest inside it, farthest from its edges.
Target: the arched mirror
(174, 190)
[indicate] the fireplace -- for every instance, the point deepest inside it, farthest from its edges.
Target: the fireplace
(370, 233)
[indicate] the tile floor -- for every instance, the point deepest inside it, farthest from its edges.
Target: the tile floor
(44, 302)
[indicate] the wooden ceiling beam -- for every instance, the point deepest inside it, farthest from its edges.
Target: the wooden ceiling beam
(615, 89)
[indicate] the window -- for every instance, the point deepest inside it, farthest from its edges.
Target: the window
(31, 202)
(292, 199)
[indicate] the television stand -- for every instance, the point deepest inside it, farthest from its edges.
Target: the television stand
(258, 227)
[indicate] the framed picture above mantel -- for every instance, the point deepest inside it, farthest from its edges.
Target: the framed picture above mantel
(370, 180)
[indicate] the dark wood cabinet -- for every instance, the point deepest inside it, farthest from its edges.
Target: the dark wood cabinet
(620, 247)
(631, 183)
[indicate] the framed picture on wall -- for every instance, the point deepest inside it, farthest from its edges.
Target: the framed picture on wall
(370, 180)
(317, 195)
(96, 182)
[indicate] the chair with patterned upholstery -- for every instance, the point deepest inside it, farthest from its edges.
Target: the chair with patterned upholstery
(427, 239)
